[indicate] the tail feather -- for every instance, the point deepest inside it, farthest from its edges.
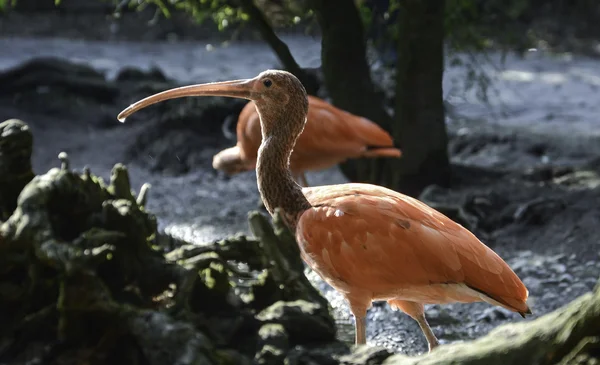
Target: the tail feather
(382, 152)
(526, 312)
(518, 305)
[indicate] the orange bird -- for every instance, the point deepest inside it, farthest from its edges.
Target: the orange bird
(368, 242)
(330, 136)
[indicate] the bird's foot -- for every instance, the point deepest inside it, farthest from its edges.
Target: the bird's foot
(433, 344)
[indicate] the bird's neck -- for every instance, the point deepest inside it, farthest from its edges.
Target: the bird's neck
(275, 183)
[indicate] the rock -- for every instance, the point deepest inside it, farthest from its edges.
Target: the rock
(566, 278)
(328, 354)
(304, 322)
(165, 341)
(273, 344)
(182, 134)
(534, 285)
(492, 314)
(558, 268)
(120, 186)
(439, 316)
(127, 74)
(57, 74)
(365, 355)
(16, 147)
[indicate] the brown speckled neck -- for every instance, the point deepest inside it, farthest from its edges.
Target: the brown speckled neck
(275, 182)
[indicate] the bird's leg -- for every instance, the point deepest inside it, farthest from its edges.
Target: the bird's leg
(417, 312)
(360, 333)
(360, 320)
(432, 341)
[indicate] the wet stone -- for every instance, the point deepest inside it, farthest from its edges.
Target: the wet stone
(551, 281)
(579, 288)
(185, 345)
(273, 344)
(16, 148)
(492, 314)
(549, 297)
(229, 356)
(559, 268)
(534, 285)
(566, 278)
(363, 355)
(304, 322)
(590, 282)
(592, 271)
(438, 315)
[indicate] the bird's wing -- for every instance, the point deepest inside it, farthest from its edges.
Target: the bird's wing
(377, 239)
(330, 130)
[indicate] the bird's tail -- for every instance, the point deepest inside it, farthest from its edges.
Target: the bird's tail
(516, 305)
(382, 152)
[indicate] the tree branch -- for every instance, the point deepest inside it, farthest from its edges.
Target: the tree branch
(279, 47)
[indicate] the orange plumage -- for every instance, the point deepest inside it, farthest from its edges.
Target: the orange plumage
(376, 244)
(330, 136)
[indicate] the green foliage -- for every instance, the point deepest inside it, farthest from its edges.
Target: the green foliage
(470, 32)
(6, 4)
(227, 13)
(223, 12)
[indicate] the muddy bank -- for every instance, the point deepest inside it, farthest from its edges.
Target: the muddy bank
(528, 189)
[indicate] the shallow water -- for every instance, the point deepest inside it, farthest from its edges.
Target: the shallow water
(559, 95)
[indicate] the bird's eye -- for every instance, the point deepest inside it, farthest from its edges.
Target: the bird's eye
(267, 83)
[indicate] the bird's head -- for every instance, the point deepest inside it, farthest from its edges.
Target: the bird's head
(280, 99)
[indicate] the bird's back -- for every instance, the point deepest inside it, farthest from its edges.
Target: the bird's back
(333, 129)
(370, 239)
(330, 136)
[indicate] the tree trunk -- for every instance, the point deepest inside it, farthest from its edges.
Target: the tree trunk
(281, 49)
(347, 75)
(420, 126)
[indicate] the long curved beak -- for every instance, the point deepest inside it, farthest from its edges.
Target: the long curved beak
(242, 89)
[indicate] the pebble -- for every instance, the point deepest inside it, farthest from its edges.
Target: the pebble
(565, 278)
(579, 288)
(549, 297)
(559, 268)
(493, 314)
(590, 282)
(436, 315)
(534, 285)
(551, 281)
